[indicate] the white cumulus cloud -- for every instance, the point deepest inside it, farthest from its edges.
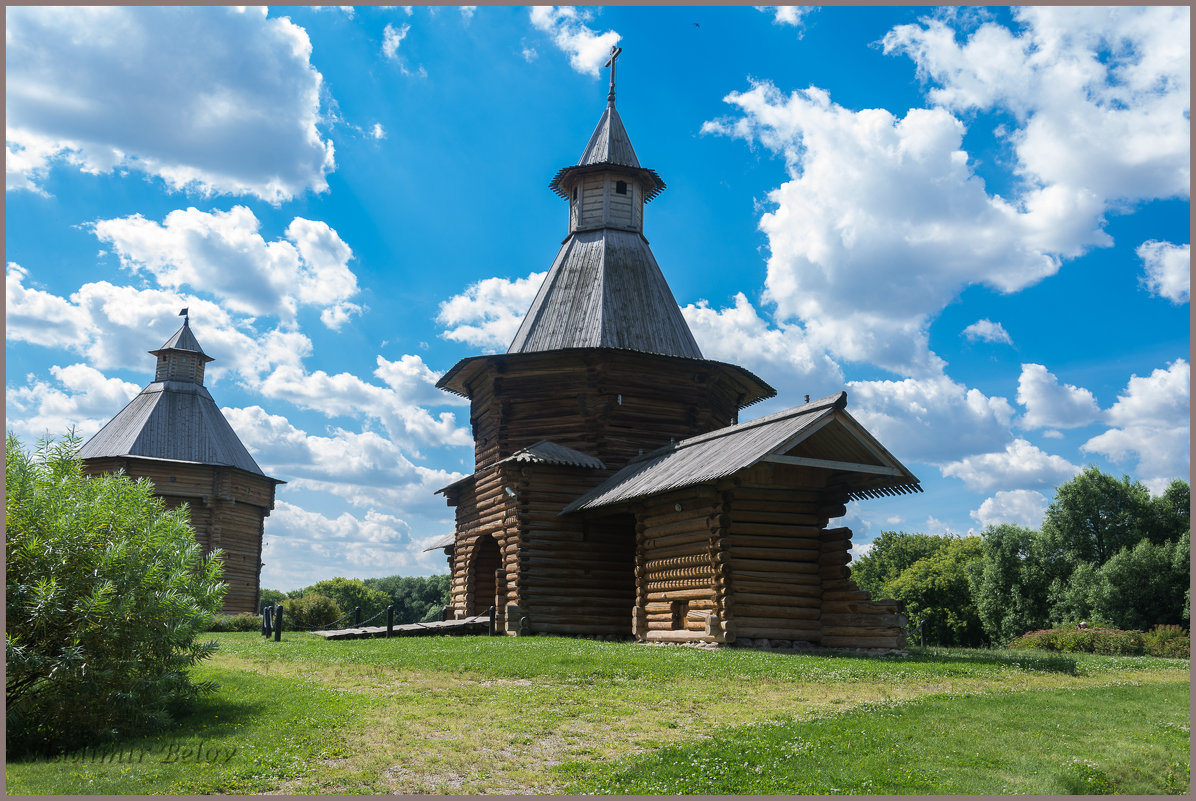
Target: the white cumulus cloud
(1050, 404)
(1021, 507)
(988, 331)
(881, 223)
(788, 15)
(113, 327)
(1021, 465)
(212, 100)
(300, 545)
(1102, 98)
(1151, 424)
(883, 220)
(488, 313)
(80, 398)
(1168, 269)
(587, 49)
(223, 253)
(934, 420)
(780, 355)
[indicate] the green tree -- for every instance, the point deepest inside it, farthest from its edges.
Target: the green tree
(1145, 585)
(348, 594)
(1172, 513)
(1011, 579)
(891, 553)
(270, 597)
(936, 592)
(1094, 516)
(1072, 599)
(106, 593)
(415, 598)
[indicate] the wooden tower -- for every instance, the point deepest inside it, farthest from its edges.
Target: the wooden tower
(563, 528)
(174, 435)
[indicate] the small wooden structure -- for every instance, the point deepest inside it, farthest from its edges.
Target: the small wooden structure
(174, 435)
(615, 491)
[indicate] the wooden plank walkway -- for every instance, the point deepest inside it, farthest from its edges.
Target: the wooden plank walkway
(479, 624)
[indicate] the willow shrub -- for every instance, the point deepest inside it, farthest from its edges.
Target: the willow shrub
(106, 593)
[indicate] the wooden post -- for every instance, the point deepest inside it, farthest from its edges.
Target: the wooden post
(357, 617)
(278, 623)
(267, 617)
(490, 628)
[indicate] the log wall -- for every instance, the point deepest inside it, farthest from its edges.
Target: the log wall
(484, 510)
(773, 544)
(575, 576)
(227, 508)
(789, 571)
(612, 406)
(680, 568)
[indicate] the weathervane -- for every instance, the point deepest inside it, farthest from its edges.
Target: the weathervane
(610, 62)
(186, 317)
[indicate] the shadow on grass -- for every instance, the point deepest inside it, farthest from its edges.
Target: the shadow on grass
(211, 717)
(1023, 660)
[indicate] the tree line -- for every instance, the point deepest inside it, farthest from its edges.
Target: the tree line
(1106, 553)
(416, 599)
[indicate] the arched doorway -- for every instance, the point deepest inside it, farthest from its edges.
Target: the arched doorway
(487, 559)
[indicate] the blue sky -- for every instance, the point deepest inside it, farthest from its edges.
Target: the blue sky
(974, 221)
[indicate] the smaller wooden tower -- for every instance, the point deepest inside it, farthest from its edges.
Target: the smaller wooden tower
(174, 435)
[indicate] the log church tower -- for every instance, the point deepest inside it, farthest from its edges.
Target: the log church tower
(602, 380)
(174, 435)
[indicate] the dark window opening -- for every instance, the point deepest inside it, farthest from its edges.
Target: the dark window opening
(621, 187)
(575, 193)
(680, 611)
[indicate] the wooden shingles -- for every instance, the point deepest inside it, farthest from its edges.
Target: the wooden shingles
(175, 420)
(722, 453)
(605, 290)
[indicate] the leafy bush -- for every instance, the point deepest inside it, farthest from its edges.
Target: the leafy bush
(106, 593)
(1169, 641)
(245, 621)
(1161, 641)
(348, 594)
(309, 612)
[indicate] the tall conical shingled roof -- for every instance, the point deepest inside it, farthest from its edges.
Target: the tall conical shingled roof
(174, 417)
(605, 290)
(610, 146)
(183, 339)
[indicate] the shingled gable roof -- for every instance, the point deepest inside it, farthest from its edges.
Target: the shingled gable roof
(816, 434)
(173, 420)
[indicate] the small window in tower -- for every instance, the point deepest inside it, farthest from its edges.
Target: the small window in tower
(575, 193)
(621, 187)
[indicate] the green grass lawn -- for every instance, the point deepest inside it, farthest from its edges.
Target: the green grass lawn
(547, 714)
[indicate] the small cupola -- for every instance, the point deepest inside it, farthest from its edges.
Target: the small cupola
(607, 188)
(181, 358)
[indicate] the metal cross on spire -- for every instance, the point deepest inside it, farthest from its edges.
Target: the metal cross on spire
(610, 62)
